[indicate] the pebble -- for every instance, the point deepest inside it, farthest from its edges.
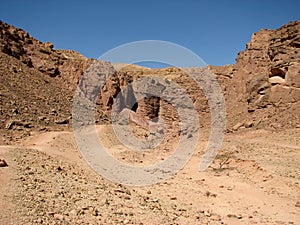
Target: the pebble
(127, 197)
(3, 163)
(58, 216)
(207, 213)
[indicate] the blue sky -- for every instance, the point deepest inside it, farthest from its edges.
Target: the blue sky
(215, 30)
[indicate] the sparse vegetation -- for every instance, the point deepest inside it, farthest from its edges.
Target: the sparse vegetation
(222, 160)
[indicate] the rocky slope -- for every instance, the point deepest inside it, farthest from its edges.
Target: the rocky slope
(37, 84)
(29, 100)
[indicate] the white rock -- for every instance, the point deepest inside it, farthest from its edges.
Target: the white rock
(276, 80)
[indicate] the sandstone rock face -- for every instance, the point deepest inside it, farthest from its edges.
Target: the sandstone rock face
(270, 55)
(266, 77)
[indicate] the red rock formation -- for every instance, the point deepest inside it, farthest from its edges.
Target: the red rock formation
(266, 81)
(261, 89)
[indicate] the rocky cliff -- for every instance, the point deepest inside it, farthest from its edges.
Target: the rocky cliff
(265, 83)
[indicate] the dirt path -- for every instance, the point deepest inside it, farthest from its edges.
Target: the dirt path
(50, 183)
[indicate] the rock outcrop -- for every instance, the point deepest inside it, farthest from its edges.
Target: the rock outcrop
(271, 59)
(266, 80)
(67, 66)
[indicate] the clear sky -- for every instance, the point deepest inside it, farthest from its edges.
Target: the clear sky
(215, 30)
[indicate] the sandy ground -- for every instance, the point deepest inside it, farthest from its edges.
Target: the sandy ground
(255, 179)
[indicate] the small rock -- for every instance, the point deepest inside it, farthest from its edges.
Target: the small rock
(239, 217)
(297, 204)
(126, 197)
(62, 121)
(231, 216)
(160, 130)
(3, 163)
(9, 124)
(58, 216)
(96, 212)
(216, 217)
(234, 216)
(248, 124)
(209, 194)
(41, 117)
(28, 125)
(49, 45)
(276, 80)
(73, 212)
(207, 214)
(155, 200)
(237, 126)
(15, 111)
(173, 198)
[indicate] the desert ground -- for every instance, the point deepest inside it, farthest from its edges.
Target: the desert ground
(253, 180)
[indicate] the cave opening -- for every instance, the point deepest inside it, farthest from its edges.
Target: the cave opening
(135, 107)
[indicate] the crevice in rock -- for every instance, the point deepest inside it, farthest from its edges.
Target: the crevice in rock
(277, 72)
